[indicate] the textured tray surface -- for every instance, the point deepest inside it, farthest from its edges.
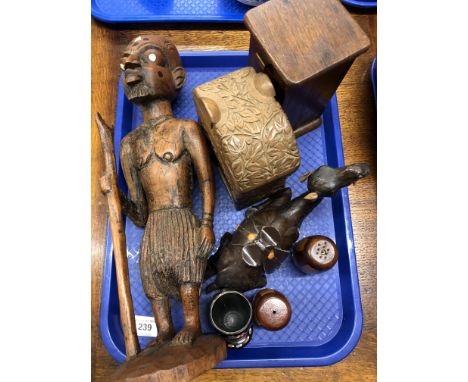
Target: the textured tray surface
(127, 11)
(168, 10)
(316, 300)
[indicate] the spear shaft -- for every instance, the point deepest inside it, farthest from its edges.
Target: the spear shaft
(110, 189)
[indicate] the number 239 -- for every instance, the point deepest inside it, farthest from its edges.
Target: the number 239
(144, 326)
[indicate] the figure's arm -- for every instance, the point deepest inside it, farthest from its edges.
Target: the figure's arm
(136, 208)
(196, 145)
(198, 149)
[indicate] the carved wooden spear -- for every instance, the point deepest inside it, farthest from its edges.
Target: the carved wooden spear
(110, 189)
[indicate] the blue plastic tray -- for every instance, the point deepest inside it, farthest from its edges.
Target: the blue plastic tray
(327, 317)
(134, 11)
(374, 78)
(126, 11)
(361, 3)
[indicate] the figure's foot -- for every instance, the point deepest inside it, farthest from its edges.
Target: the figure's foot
(161, 339)
(327, 181)
(186, 336)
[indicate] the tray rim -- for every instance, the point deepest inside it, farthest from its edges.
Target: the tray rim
(187, 18)
(161, 18)
(339, 202)
(367, 4)
(374, 78)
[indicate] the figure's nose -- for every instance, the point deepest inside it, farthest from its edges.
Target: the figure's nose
(131, 62)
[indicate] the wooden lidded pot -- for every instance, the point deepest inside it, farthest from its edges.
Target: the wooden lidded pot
(315, 253)
(306, 61)
(272, 310)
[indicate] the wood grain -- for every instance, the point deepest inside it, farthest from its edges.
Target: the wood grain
(179, 363)
(322, 26)
(358, 124)
(321, 39)
(119, 243)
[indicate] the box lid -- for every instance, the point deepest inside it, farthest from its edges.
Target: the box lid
(302, 38)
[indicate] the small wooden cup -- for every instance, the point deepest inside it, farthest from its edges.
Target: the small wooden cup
(231, 315)
(315, 253)
(272, 310)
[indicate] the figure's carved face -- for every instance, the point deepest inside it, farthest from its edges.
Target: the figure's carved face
(152, 69)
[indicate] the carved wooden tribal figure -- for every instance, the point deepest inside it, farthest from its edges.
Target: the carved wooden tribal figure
(157, 159)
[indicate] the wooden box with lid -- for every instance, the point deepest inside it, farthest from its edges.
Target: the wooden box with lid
(306, 47)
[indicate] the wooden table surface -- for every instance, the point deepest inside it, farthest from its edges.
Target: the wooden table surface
(358, 125)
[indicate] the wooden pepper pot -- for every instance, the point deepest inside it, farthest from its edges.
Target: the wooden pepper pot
(315, 253)
(272, 310)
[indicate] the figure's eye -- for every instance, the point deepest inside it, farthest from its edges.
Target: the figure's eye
(153, 55)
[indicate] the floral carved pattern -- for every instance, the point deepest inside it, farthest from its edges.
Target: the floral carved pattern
(253, 139)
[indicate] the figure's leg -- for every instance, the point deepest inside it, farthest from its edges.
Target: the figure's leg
(189, 293)
(162, 317)
(159, 304)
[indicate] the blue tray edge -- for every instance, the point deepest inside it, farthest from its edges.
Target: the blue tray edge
(179, 18)
(343, 199)
(340, 202)
(182, 18)
(167, 18)
(374, 78)
(360, 3)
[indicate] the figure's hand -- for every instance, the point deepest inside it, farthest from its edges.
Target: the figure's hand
(207, 239)
(101, 123)
(106, 183)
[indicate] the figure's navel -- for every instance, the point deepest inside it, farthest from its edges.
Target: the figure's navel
(168, 156)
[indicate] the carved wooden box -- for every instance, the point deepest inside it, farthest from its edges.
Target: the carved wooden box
(306, 47)
(249, 132)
